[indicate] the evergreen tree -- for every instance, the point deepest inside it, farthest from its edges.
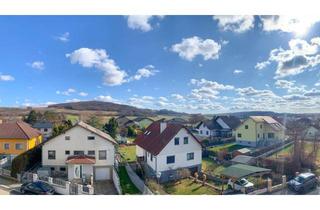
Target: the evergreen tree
(111, 127)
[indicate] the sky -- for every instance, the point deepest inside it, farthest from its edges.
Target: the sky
(193, 64)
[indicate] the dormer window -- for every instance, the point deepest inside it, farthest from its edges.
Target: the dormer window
(176, 141)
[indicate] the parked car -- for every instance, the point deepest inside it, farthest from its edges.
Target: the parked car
(240, 184)
(37, 188)
(303, 182)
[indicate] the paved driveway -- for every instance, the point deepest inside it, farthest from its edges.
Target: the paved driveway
(286, 191)
(9, 187)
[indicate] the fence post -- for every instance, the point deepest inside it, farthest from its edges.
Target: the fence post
(34, 177)
(91, 190)
(79, 189)
(50, 180)
(19, 177)
(68, 186)
(284, 181)
(297, 173)
(269, 186)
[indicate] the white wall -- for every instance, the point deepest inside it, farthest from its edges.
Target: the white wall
(78, 141)
(139, 151)
(180, 152)
(204, 130)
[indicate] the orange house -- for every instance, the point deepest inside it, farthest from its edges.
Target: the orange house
(18, 137)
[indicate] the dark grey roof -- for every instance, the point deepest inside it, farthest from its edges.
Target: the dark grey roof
(232, 121)
(243, 159)
(240, 170)
(43, 125)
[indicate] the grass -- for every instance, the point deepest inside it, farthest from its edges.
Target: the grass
(188, 187)
(212, 167)
(126, 184)
(128, 153)
(230, 147)
(285, 152)
(73, 118)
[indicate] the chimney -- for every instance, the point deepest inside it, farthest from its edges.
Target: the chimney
(0, 121)
(163, 126)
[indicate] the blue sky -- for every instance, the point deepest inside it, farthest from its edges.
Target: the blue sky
(207, 64)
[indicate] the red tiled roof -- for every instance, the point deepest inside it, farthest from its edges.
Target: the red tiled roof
(153, 141)
(81, 159)
(17, 130)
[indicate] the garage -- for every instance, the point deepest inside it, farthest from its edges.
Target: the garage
(102, 173)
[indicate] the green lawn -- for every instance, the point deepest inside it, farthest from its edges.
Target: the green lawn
(285, 152)
(73, 118)
(128, 153)
(188, 187)
(211, 167)
(230, 147)
(126, 185)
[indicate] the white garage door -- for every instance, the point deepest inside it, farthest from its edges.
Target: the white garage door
(102, 174)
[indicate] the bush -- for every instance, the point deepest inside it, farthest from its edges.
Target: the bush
(26, 161)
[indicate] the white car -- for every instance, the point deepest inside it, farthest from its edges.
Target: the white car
(240, 184)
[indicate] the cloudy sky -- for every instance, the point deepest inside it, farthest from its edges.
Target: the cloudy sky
(207, 64)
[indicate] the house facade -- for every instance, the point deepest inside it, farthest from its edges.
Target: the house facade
(166, 148)
(45, 128)
(311, 133)
(18, 137)
(259, 131)
(80, 152)
(219, 127)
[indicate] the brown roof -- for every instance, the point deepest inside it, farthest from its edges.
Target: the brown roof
(17, 130)
(153, 141)
(81, 159)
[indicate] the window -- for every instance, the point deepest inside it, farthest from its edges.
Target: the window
(239, 135)
(91, 152)
(151, 157)
(6, 146)
(170, 159)
(102, 154)
(261, 126)
(51, 154)
(258, 135)
(207, 132)
(19, 146)
(91, 138)
(67, 138)
(190, 156)
(246, 126)
(270, 135)
(176, 141)
(45, 129)
(67, 152)
(52, 168)
(62, 168)
(200, 131)
(185, 140)
(78, 152)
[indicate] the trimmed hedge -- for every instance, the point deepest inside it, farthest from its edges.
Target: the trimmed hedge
(26, 161)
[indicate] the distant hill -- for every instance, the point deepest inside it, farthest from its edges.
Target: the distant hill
(121, 109)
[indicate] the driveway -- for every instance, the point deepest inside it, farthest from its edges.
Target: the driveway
(9, 187)
(286, 191)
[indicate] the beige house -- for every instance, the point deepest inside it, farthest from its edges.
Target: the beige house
(259, 131)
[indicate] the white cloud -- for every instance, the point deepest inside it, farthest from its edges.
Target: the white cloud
(106, 98)
(65, 37)
(177, 96)
(142, 22)
(262, 65)
(210, 84)
(237, 71)
(191, 47)
(144, 72)
(251, 92)
(98, 58)
(38, 65)
(300, 57)
(83, 94)
(4, 77)
(298, 25)
(162, 98)
(284, 84)
(66, 92)
(235, 23)
(73, 100)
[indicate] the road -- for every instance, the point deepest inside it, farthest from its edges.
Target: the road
(286, 191)
(9, 187)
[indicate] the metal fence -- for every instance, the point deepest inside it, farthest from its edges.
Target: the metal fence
(60, 182)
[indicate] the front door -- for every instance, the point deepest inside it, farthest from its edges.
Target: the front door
(77, 171)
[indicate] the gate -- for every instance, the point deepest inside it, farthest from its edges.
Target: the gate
(73, 189)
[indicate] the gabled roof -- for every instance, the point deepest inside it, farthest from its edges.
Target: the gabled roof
(232, 121)
(17, 130)
(153, 141)
(42, 125)
(81, 159)
(275, 125)
(91, 129)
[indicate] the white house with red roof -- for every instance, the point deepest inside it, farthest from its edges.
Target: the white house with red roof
(166, 147)
(80, 152)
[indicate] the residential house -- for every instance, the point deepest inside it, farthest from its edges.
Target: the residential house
(260, 131)
(46, 128)
(79, 152)
(178, 120)
(165, 148)
(18, 137)
(122, 121)
(312, 133)
(218, 127)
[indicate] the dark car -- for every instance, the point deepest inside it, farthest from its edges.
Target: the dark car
(37, 188)
(303, 182)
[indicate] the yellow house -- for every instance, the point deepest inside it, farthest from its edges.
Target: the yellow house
(259, 131)
(18, 137)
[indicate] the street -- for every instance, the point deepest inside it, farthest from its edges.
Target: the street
(286, 191)
(9, 187)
